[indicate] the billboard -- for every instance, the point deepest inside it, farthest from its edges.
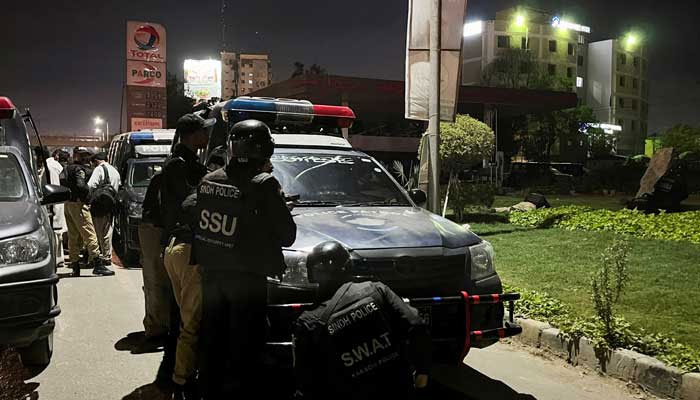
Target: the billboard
(145, 41)
(146, 105)
(202, 79)
(418, 77)
(143, 73)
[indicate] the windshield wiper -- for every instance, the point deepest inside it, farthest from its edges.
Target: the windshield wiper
(316, 203)
(392, 202)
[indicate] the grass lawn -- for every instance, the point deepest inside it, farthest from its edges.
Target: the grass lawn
(616, 202)
(664, 288)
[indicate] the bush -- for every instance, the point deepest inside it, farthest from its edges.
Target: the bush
(684, 227)
(465, 194)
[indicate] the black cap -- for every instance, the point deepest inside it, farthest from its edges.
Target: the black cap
(190, 123)
(82, 150)
(101, 156)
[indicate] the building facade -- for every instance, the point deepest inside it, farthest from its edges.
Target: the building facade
(558, 45)
(243, 73)
(618, 90)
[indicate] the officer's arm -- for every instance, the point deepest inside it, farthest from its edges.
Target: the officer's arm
(409, 325)
(176, 180)
(280, 218)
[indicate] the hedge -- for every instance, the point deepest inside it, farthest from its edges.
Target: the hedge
(683, 226)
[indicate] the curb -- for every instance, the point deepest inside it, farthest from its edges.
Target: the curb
(647, 372)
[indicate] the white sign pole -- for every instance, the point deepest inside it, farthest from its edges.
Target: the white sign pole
(434, 108)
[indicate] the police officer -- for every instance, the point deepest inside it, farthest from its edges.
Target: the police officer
(353, 346)
(81, 230)
(182, 172)
(243, 224)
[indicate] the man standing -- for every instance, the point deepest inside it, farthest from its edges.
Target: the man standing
(243, 223)
(59, 218)
(181, 175)
(156, 283)
(103, 216)
(78, 219)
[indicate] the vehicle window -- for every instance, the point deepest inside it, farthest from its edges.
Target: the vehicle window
(141, 173)
(335, 178)
(12, 184)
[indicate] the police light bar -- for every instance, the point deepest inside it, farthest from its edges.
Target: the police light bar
(285, 111)
(7, 109)
(158, 136)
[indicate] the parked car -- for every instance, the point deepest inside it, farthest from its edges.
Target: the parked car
(137, 156)
(28, 278)
(138, 174)
(347, 196)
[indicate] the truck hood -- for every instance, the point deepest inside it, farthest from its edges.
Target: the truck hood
(19, 218)
(378, 227)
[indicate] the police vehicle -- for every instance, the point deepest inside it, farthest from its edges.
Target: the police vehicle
(28, 295)
(137, 156)
(344, 195)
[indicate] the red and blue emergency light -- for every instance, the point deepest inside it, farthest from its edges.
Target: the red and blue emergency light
(286, 111)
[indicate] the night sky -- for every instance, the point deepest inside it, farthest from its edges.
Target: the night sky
(65, 59)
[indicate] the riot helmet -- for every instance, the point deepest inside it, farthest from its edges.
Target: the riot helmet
(250, 140)
(329, 265)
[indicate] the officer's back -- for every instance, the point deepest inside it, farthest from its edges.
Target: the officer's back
(362, 343)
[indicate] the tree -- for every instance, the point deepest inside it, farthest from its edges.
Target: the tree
(178, 103)
(682, 138)
(314, 69)
(519, 69)
(464, 143)
(545, 129)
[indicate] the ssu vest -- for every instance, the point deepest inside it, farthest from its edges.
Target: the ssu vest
(229, 231)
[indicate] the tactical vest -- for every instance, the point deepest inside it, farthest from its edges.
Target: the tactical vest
(229, 232)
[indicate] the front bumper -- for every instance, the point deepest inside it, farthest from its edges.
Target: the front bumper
(28, 310)
(457, 323)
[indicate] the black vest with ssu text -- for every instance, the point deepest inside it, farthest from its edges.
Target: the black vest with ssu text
(230, 233)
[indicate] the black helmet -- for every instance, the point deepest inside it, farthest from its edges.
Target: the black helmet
(250, 140)
(328, 262)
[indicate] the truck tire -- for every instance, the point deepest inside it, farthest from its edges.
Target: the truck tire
(37, 356)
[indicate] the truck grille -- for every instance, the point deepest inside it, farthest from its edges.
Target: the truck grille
(416, 276)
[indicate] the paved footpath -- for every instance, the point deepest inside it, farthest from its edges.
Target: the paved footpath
(99, 311)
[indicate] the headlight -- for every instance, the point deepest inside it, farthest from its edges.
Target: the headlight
(25, 249)
(296, 272)
(135, 209)
(482, 260)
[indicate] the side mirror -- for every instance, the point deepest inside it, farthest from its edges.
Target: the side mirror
(54, 194)
(418, 196)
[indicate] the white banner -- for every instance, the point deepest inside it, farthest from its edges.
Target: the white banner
(418, 58)
(143, 73)
(202, 79)
(145, 41)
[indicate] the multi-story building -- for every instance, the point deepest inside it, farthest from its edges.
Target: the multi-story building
(618, 89)
(243, 73)
(558, 44)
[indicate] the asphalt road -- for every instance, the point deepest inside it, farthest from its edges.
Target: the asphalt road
(100, 311)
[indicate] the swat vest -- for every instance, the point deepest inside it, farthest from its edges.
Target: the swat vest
(229, 231)
(355, 338)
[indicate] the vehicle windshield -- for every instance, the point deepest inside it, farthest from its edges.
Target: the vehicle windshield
(330, 179)
(142, 172)
(12, 183)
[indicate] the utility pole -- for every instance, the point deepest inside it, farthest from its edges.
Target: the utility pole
(434, 108)
(223, 25)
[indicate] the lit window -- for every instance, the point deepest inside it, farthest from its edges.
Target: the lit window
(579, 82)
(581, 39)
(250, 81)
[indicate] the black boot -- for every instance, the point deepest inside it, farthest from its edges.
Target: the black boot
(75, 266)
(100, 269)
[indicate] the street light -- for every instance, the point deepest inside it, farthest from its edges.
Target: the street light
(100, 121)
(521, 22)
(631, 40)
